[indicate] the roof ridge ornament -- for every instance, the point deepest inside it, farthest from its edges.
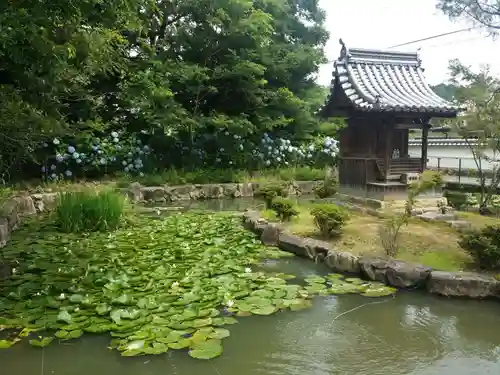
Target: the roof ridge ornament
(343, 50)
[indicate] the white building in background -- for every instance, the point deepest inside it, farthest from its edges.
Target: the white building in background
(448, 153)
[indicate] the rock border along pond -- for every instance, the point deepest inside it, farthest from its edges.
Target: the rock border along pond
(391, 272)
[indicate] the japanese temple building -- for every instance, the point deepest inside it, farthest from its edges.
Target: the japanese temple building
(381, 95)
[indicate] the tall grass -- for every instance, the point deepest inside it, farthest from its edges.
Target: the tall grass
(89, 211)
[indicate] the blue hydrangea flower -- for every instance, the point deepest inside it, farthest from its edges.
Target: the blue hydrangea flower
(76, 155)
(71, 149)
(68, 173)
(124, 163)
(53, 167)
(43, 169)
(126, 169)
(102, 161)
(78, 161)
(53, 176)
(56, 141)
(45, 144)
(114, 134)
(59, 158)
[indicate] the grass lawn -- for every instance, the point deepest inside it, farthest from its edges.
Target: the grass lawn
(431, 244)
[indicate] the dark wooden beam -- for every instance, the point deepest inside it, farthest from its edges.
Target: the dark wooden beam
(425, 139)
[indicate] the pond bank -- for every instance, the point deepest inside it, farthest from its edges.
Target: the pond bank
(395, 273)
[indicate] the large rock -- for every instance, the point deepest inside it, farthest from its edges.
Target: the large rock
(394, 272)
(317, 250)
(270, 234)
(10, 212)
(45, 201)
(405, 275)
(437, 216)
(25, 205)
(4, 232)
(293, 244)
(153, 193)
(344, 262)
(254, 223)
(463, 284)
(373, 268)
(134, 192)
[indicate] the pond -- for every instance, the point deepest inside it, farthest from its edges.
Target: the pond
(409, 333)
(412, 333)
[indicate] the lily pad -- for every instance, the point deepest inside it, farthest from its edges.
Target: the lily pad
(5, 344)
(41, 343)
(206, 350)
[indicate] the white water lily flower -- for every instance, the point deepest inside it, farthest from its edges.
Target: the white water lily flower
(248, 270)
(77, 309)
(14, 271)
(62, 296)
(175, 284)
(230, 303)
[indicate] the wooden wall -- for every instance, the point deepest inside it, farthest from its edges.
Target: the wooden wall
(371, 139)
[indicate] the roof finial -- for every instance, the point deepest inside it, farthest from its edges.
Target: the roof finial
(343, 51)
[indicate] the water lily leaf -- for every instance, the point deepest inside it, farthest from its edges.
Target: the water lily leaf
(315, 288)
(355, 280)
(41, 343)
(219, 333)
(197, 323)
(64, 316)
(264, 310)
(315, 279)
(124, 299)
(61, 334)
(206, 350)
(26, 332)
(102, 309)
(334, 276)
(224, 320)
(262, 293)
(76, 298)
(134, 345)
(5, 344)
(133, 353)
(74, 334)
(181, 344)
(380, 291)
(299, 304)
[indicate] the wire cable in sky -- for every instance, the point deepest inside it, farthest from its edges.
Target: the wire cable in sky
(434, 37)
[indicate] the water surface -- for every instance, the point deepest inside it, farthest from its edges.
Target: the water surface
(412, 333)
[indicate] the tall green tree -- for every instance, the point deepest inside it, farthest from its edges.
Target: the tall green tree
(484, 13)
(479, 126)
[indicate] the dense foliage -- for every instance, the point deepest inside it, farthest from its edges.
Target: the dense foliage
(284, 208)
(154, 285)
(92, 87)
(89, 211)
(329, 218)
(483, 245)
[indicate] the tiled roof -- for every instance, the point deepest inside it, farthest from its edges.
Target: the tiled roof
(444, 142)
(381, 81)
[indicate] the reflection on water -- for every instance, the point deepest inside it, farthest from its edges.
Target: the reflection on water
(412, 333)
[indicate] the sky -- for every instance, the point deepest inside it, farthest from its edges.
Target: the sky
(379, 24)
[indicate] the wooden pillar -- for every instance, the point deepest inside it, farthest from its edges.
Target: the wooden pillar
(425, 139)
(388, 149)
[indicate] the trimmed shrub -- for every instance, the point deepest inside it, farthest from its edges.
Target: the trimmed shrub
(270, 191)
(483, 245)
(329, 218)
(456, 199)
(326, 188)
(285, 208)
(88, 211)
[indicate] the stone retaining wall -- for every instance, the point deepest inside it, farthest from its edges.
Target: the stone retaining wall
(162, 194)
(392, 272)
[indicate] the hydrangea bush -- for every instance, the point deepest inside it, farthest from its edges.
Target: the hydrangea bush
(119, 152)
(89, 154)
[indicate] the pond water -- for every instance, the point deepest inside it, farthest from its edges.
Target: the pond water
(412, 333)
